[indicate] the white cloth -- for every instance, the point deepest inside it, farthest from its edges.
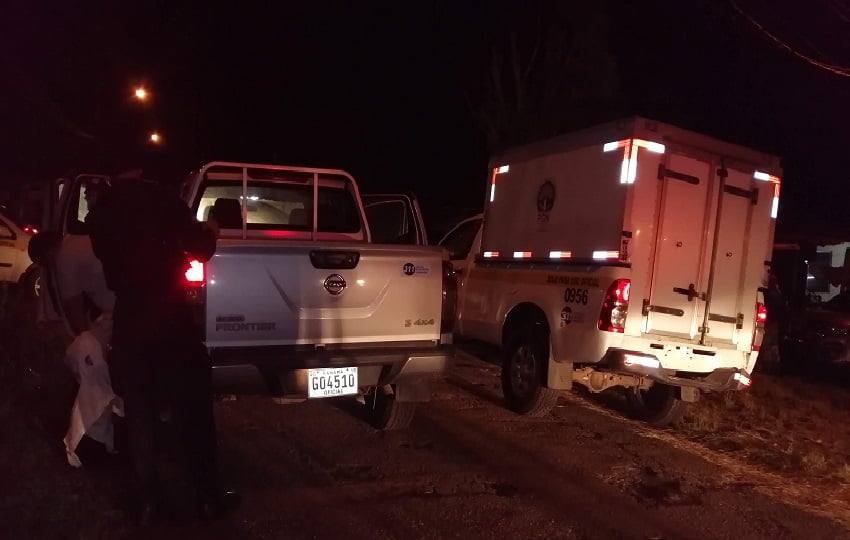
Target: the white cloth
(79, 271)
(92, 411)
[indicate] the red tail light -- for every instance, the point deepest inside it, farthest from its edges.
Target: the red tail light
(761, 313)
(761, 318)
(30, 230)
(195, 280)
(196, 274)
(615, 307)
(449, 312)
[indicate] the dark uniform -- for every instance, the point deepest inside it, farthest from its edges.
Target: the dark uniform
(144, 236)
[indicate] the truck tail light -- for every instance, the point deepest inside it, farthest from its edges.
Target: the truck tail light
(449, 311)
(615, 307)
(758, 331)
(195, 275)
(194, 284)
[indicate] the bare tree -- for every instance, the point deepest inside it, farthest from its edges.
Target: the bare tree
(548, 69)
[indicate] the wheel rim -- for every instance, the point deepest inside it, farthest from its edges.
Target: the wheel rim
(522, 370)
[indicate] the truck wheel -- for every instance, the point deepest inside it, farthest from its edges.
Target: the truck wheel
(658, 405)
(30, 283)
(526, 357)
(386, 413)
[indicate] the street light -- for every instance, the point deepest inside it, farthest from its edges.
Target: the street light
(141, 93)
(155, 138)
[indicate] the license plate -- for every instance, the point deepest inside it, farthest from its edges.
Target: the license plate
(330, 382)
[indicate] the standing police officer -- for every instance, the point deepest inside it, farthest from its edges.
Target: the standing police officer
(144, 236)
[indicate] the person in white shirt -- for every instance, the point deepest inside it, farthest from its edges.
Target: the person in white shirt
(82, 290)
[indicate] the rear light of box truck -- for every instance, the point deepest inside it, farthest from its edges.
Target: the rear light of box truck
(761, 318)
(615, 307)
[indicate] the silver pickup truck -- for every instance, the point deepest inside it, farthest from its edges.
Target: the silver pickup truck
(298, 302)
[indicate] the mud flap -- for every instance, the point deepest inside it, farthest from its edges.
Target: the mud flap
(689, 394)
(559, 375)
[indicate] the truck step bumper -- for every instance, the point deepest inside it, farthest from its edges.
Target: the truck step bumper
(279, 372)
(645, 365)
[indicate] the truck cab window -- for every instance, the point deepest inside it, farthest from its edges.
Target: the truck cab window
(278, 206)
(459, 241)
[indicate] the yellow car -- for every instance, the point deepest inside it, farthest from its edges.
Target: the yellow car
(15, 264)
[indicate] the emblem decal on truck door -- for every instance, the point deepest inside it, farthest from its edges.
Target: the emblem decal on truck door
(410, 269)
(334, 284)
(545, 201)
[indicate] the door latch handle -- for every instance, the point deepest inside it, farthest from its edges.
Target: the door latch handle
(690, 292)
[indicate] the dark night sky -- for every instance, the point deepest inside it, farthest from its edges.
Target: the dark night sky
(377, 88)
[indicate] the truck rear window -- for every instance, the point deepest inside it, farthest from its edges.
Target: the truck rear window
(279, 206)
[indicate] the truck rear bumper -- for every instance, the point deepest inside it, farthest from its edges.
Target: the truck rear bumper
(645, 365)
(282, 370)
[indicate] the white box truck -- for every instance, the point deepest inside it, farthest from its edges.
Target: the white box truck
(629, 254)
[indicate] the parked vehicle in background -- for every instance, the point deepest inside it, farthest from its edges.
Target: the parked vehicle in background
(818, 335)
(626, 255)
(15, 264)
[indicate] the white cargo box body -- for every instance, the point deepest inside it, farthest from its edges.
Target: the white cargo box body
(688, 217)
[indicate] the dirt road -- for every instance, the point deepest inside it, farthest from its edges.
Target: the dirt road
(468, 468)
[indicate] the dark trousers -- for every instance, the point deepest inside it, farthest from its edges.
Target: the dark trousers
(158, 356)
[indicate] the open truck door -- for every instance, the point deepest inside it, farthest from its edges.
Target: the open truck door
(65, 213)
(395, 219)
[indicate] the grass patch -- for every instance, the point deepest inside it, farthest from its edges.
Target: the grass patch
(782, 424)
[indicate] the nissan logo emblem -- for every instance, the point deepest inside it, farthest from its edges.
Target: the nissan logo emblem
(334, 284)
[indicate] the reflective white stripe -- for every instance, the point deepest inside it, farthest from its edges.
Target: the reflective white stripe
(758, 175)
(522, 254)
(774, 210)
(654, 147)
(606, 254)
(490, 254)
(503, 169)
(628, 172)
(560, 254)
(492, 191)
(632, 174)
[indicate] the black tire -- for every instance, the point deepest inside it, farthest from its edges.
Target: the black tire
(658, 406)
(385, 413)
(524, 365)
(30, 283)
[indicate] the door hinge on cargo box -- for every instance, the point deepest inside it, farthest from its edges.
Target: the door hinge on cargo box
(664, 172)
(738, 320)
(676, 312)
(751, 194)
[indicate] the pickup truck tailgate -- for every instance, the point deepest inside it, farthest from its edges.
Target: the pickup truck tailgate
(268, 292)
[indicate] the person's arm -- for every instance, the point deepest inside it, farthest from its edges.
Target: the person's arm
(71, 293)
(196, 238)
(75, 313)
